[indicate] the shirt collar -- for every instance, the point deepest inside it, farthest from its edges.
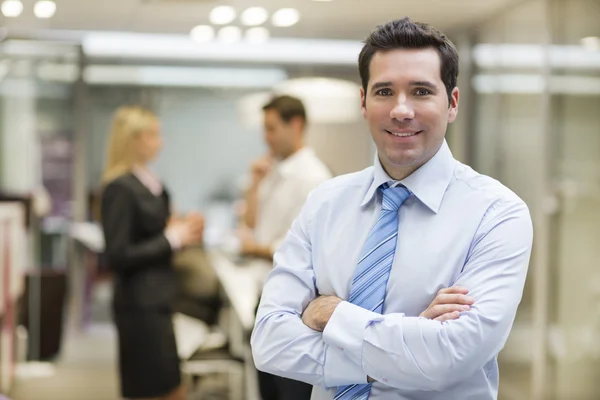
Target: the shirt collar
(148, 179)
(291, 165)
(428, 183)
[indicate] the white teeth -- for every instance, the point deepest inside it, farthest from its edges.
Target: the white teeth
(403, 134)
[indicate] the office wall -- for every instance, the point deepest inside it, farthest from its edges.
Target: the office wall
(576, 283)
(511, 130)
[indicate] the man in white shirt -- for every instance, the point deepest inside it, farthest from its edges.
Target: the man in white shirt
(282, 180)
(280, 184)
(342, 309)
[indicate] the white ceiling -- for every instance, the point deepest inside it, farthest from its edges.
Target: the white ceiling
(343, 19)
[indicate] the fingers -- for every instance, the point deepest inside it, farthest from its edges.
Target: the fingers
(449, 303)
(448, 316)
(454, 289)
(453, 299)
(442, 309)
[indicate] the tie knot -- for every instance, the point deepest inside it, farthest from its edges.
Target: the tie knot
(393, 197)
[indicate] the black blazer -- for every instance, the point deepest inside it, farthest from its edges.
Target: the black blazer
(134, 220)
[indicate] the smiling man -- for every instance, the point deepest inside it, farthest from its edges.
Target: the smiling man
(344, 306)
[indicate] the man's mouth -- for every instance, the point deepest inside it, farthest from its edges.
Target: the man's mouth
(403, 133)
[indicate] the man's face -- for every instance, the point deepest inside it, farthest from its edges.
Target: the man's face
(406, 106)
(279, 135)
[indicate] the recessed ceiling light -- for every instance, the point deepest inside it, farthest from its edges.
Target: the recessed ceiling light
(230, 34)
(202, 34)
(286, 17)
(257, 35)
(254, 16)
(44, 9)
(11, 8)
(222, 15)
(591, 43)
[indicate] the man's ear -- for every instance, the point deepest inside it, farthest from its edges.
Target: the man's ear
(297, 123)
(453, 109)
(363, 102)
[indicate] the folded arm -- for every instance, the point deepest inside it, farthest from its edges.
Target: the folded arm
(412, 353)
(420, 354)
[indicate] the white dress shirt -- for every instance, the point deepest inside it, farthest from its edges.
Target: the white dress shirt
(457, 228)
(282, 194)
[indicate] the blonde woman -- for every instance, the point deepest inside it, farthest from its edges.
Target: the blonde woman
(140, 239)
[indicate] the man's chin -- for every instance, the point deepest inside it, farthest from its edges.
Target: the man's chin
(405, 160)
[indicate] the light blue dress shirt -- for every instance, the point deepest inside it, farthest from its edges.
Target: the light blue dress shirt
(458, 228)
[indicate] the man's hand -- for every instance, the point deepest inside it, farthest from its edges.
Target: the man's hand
(319, 311)
(250, 247)
(247, 242)
(260, 168)
(448, 304)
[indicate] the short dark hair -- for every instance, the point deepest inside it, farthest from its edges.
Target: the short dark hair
(288, 107)
(406, 34)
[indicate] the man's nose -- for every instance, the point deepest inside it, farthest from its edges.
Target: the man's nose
(403, 109)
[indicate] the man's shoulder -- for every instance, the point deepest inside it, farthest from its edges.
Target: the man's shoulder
(473, 183)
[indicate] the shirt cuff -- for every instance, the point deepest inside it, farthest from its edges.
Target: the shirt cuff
(346, 329)
(339, 370)
(173, 239)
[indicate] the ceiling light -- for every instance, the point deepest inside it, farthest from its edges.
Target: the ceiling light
(44, 9)
(591, 43)
(254, 16)
(230, 34)
(257, 35)
(286, 17)
(202, 34)
(222, 15)
(12, 8)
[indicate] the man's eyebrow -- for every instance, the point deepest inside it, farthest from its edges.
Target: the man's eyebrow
(379, 85)
(423, 83)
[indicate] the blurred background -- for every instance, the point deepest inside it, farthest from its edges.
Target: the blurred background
(529, 116)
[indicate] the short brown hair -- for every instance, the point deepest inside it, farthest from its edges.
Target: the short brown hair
(406, 34)
(287, 107)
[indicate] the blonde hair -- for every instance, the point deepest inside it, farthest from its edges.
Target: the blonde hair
(121, 155)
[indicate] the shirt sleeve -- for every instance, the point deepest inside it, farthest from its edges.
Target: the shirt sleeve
(281, 343)
(414, 353)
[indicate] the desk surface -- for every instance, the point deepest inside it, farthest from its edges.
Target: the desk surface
(242, 284)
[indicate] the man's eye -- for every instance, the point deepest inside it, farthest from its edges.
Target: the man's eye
(384, 92)
(422, 92)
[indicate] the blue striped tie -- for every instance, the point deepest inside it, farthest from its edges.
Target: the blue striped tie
(373, 270)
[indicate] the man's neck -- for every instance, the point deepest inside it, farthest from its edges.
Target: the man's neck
(401, 172)
(294, 151)
(398, 174)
